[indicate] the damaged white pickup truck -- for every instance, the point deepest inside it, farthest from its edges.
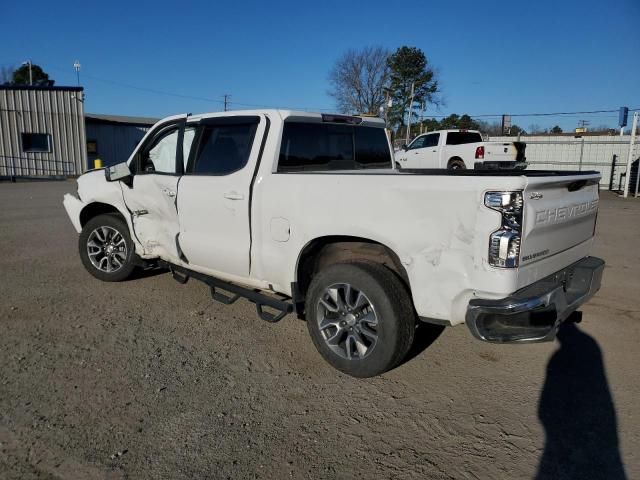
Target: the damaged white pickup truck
(304, 212)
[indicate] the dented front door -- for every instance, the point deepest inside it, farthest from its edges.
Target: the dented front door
(151, 198)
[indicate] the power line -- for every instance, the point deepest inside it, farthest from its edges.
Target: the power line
(226, 102)
(146, 89)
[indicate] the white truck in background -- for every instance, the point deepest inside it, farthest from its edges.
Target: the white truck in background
(303, 212)
(458, 150)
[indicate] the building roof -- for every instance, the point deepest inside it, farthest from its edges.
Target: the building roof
(41, 87)
(119, 119)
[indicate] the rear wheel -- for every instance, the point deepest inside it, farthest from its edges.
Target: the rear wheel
(106, 249)
(456, 164)
(360, 318)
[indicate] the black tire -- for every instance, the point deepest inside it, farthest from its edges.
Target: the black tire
(392, 306)
(456, 164)
(112, 222)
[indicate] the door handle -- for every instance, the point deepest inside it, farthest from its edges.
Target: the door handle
(234, 196)
(169, 193)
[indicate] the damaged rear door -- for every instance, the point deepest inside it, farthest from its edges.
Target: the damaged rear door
(151, 197)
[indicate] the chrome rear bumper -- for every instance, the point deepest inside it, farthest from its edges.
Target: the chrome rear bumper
(534, 313)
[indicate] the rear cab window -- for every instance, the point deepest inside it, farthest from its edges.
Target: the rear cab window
(460, 138)
(327, 147)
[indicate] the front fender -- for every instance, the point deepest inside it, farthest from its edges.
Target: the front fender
(73, 206)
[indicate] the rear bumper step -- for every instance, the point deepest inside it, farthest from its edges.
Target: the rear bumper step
(534, 313)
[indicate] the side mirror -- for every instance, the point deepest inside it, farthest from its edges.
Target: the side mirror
(119, 171)
(405, 147)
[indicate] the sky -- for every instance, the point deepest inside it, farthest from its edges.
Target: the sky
(491, 57)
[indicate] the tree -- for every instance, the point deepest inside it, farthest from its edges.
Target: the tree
(358, 80)
(409, 66)
(516, 130)
(38, 76)
(535, 129)
(556, 130)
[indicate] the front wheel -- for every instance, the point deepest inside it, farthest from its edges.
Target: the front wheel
(360, 318)
(106, 249)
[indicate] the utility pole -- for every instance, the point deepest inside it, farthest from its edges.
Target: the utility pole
(413, 84)
(226, 101)
(388, 103)
(627, 181)
(28, 62)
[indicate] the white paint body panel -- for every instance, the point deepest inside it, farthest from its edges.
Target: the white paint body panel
(437, 225)
(152, 200)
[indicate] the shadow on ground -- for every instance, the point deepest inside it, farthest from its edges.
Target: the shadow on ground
(577, 412)
(426, 334)
(141, 273)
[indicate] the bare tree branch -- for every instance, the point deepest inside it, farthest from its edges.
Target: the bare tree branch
(358, 78)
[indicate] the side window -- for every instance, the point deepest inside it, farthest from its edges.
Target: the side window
(315, 146)
(372, 148)
(431, 140)
(160, 156)
(322, 147)
(417, 143)
(187, 142)
(461, 138)
(223, 149)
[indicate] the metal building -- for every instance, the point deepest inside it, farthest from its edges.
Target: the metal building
(42, 131)
(112, 138)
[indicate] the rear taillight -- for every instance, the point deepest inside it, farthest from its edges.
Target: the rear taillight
(480, 152)
(504, 243)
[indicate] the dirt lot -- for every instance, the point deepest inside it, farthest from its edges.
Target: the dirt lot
(151, 379)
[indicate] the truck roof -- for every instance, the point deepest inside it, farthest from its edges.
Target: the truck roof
(453, 130)
(295, 115)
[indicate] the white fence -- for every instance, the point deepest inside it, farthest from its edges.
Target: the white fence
(555, 152)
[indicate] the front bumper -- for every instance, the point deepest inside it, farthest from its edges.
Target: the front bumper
(534, 313)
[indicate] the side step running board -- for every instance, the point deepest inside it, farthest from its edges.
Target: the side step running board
(234, 292)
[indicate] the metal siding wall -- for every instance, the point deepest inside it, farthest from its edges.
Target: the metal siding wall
(115, 142)
(59, 113)
(552, 152)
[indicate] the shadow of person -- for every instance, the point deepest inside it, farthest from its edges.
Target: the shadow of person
(577, 412)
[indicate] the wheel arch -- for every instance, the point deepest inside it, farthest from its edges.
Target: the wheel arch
(331, 249)
(455, 158)
(98, 208)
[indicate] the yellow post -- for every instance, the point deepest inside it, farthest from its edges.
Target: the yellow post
(97, 163)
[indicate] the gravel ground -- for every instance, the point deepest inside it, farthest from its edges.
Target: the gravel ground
(151, 379)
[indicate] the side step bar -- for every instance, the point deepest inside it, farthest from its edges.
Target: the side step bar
(233, 293)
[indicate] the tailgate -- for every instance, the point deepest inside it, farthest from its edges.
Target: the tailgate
(501, 152)
(559, 213)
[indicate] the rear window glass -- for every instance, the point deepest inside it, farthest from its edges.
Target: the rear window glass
(322, 146)
(460, 138)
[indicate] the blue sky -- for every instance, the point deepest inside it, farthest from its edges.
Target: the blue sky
(492, 57)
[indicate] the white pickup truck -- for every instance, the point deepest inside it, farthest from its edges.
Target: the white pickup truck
(303, 212)
(460, 149)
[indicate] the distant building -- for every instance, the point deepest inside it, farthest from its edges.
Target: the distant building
(42, 131)
(112, 138)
